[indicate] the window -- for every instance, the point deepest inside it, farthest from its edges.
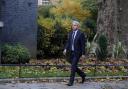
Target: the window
(45, 2)
(2, 8)
(29, 4)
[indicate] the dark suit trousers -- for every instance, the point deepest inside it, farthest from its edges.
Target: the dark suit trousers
(74, 59)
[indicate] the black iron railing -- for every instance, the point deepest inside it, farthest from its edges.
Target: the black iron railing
(95, 66)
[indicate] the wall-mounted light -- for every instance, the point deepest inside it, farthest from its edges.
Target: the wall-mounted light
(1, 24)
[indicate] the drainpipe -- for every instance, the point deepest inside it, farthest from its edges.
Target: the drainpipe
(1, 27)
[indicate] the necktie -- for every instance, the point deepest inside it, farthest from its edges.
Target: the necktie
(73, 37)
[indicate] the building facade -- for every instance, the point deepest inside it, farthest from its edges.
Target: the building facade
(43, 2)
(47, 2)
(20, 23)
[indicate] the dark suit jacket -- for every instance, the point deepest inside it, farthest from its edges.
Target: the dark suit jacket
(79, 43)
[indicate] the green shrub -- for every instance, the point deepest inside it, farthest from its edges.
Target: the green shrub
(51, 43)
(91, 47)
(101, 50)
(90, 5)
(14, 54)
(44, 11)
(89, 26)
(119, 50)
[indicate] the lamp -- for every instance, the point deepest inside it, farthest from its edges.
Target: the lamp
(1, 24)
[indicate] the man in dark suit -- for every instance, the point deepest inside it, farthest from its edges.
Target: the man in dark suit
(76, 47)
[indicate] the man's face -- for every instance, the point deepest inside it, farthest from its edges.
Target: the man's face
(75, 26)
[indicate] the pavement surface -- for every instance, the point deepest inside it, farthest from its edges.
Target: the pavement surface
(62, 85)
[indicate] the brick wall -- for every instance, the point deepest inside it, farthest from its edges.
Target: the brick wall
(19, 17)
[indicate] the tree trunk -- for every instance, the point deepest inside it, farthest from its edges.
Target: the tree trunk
(123, 22)
(113, 21)
(107, 19)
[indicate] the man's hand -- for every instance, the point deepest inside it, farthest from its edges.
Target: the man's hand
(83, 56)
(64, 52)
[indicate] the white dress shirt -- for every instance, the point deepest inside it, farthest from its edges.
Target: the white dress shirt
(74, 39)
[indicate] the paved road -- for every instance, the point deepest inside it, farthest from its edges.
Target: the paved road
(86, 85)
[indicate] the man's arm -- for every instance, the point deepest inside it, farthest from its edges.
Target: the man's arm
(66, 46)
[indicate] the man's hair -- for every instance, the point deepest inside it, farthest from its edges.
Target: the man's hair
(75, 22)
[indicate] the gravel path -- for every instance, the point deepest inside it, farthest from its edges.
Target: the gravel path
(62, 85)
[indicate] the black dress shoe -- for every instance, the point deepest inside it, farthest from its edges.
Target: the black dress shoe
(83, 79)
(69, 84)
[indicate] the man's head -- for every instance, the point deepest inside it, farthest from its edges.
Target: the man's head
(75, 25)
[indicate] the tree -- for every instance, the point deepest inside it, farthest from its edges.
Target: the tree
(90, 23)
(71, 8)
(55, 23)
(92, 6)
(107, 19)
(44, 11)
